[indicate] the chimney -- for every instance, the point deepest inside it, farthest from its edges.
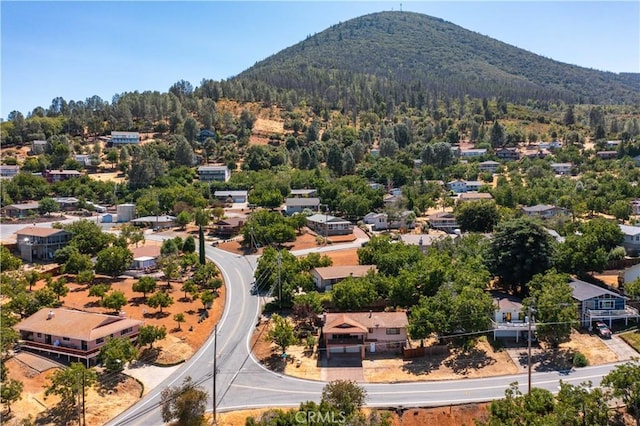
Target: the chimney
(370, 313)
(50, 315)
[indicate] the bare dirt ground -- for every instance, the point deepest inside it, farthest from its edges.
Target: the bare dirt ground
(454, 415)
(108, 176)
(177, 346)
(99, 403)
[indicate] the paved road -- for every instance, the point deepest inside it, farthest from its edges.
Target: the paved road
(243, 383)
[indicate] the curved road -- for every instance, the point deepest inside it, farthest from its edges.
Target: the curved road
(244, 383)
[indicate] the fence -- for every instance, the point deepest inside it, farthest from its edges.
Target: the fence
(422, 351)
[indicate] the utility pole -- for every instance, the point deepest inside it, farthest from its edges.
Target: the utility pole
(279, 281)
(530, 312)
(215, 356)
(84, 410)
(79, 405)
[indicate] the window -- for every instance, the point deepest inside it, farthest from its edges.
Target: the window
(39, 334)
(370, 330)
(65, 338)
(607, 304)
(126, 331)
(100, 340)
(393, 330)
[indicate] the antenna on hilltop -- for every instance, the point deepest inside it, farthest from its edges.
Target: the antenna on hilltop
(400, 7)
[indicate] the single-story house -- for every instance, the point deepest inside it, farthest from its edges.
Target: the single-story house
(233, 196)
(84, 159)
(37, 243)
(229, 227)
(22, 209)
(53, 176)
(475, 152)
(631, 240)
(298, 205)
(613, 144)
(325, 277)
(157, 222)
(361, 332)
(561, 168)
(306, 192)
(380, 221)
(204, 134)
(488, 166)
(443, 221)
(599, 304)
(474, 196)
(510, 319)
(76, 334)
(607, 155)
(145, 257)
(124, 138)
(8, 171)
(327, 225)
(544, 211)
(67, 203)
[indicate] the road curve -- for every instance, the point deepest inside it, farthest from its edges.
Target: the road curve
(242, 382)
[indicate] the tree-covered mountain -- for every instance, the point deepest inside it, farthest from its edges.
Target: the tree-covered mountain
(410, 57)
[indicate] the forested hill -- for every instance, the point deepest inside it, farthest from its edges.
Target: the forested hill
(403, 56)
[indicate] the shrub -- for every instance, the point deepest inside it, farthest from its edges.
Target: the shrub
(580, 360)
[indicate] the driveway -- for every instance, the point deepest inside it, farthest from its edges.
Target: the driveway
(621, 348)
(344, 367)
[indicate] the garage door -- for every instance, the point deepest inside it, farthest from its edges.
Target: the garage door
(353, 349)
(336, 350)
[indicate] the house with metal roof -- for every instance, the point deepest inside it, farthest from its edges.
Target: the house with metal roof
(326, 276)
(631, 239)
(298, 205)
(327, 225)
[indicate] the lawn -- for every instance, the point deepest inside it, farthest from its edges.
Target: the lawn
(632, 338)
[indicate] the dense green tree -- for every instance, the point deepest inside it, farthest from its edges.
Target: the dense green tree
(10, 392)
(624, 383)
(184, 155)
(183, 219)
(59, 287)
(87, 237)
(477, 216)
(113, 261)
(160, 300)
(552, 302)
(76, 262)
(99, 290)
(145, 284)
(116, 352)
(114, 300)
(47, 206)
(353, 294)
(189, 245)
(281, 333)
(620, 209)
(150, 334)
(497, 135)
(185, 403)
(65, 384)
(8, 262)
(519, 249)
(346, 395)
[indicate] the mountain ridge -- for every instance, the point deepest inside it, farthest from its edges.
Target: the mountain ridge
(412, 49)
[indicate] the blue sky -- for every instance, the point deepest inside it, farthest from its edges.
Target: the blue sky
(80, 49)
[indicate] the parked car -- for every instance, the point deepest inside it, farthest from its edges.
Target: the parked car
(602, 330)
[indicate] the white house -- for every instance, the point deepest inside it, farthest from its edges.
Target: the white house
(475, 152)
(125, 138)
(509, 318)
(214, 173)
(635, 206)
(233, 196)
(631, 241)
(378, 221)
(462, 186)
(561, 168)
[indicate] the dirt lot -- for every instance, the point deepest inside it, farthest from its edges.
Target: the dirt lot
(178, 345)
(45, 410)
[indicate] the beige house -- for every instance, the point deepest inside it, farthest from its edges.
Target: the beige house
(36, 243)
(325, 277)
(362, 332)
(75, 334)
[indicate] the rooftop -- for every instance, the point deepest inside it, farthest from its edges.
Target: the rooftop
(583, 290)
(79, 325)
(36, 231)
(343, 271)
(364, 320)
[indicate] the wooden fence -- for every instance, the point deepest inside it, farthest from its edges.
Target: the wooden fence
(422, 351)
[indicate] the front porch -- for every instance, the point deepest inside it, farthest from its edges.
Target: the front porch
(514, 329)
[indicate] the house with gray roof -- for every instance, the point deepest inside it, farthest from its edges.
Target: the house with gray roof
(596, 303)
(298, 205)
(631, 240)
